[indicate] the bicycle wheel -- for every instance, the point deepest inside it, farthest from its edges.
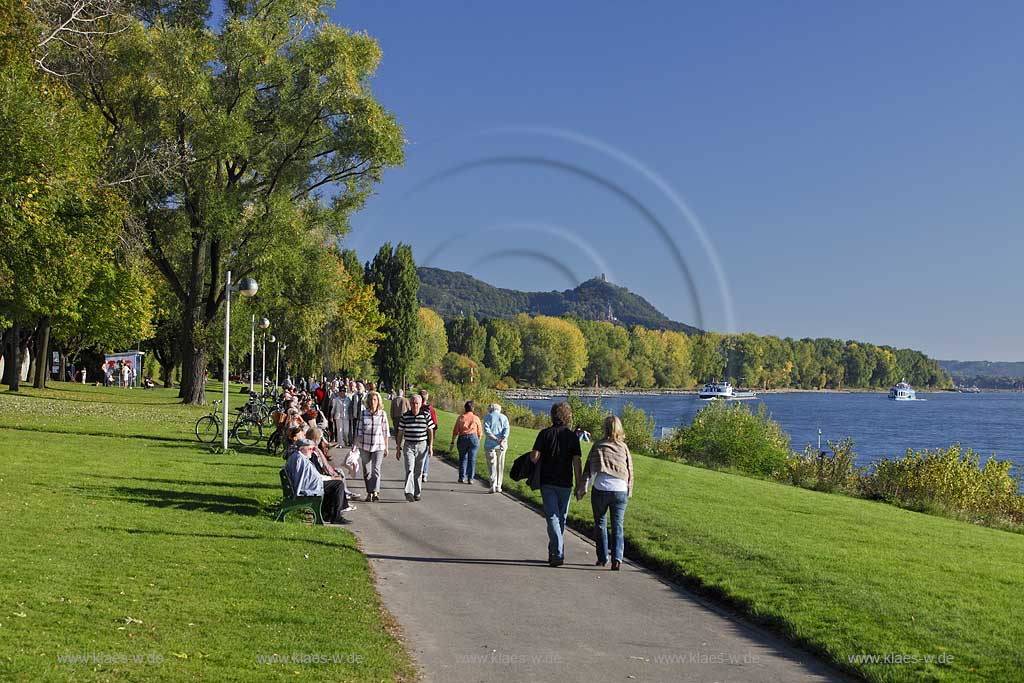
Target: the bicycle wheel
(264, 414)
(207, 429)
(248, 432)
(274, 442)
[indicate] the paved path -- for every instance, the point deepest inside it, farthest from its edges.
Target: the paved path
(465, 574)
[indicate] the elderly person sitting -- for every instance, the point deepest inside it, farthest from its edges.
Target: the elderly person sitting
(306, 481)
(496, 431)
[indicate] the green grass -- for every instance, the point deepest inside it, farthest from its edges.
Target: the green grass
(124, 537)
(840, 576)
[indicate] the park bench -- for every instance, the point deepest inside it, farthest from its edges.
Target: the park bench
(292, 502)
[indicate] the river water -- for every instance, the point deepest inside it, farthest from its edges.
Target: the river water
(990, 423)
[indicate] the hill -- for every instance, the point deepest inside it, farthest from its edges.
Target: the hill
(985, 374)
(453, 293)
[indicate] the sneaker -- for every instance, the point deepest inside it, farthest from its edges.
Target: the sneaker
(615, 565)
(409, 497)
(376, 497)
(462, 481)
(556, 561)
(599, 563)
(349, 508)
(499, 490)
(423, 478)
(417, 497)
(352, 495)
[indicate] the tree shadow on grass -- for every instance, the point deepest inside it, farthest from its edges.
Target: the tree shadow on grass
(196, 482)
(181, 500)
(239, 537)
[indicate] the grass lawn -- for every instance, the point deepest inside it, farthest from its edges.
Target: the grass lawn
(841, 576)
(125, 540)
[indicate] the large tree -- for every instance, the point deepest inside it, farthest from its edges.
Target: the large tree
(393, 277)
(234, 140)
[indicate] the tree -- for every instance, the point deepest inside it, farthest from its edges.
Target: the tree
(504, 345)
(467, 337)
(433, 341)
(706, 357)
(227, 139)
(554, 351)
(675, 369)
(392, 274)
(608, 351)
(60, 222)
(460, 369)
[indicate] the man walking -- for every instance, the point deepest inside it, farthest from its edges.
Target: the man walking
(355, 409)
(496, 431)
(415, 438)
(399, 406)
(425, 395)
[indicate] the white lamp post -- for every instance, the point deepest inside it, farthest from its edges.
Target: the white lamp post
(264, 324)
(247, 287)
(277, 365)
(252, 349)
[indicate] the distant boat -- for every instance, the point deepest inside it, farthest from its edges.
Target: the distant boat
(903, 392)
(724, 391)
(969, 390)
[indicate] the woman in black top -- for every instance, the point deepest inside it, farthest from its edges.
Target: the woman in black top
(557, 450)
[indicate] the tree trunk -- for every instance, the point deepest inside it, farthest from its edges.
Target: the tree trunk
(193, 376)
(63, 370)
(12, 357)
(166, 371)
(42, 353)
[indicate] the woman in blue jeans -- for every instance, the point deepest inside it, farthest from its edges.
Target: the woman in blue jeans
(610, 469)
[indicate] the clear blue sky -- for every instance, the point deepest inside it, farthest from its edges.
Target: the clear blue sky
(858, 167)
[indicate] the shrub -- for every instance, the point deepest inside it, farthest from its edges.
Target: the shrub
(834, 473)
(731, 437)
(951, 480)
(589, 416)
(639, 428)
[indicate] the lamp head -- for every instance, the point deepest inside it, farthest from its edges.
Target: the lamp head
(264, 323)
(247, 286)
(284, 347)
(271, 339)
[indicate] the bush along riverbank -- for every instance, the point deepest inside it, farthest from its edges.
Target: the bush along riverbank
(951, 482)
(855, 581)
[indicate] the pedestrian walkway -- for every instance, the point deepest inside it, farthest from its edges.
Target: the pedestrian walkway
(465, 573)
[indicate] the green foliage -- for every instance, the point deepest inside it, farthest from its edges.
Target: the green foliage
(504, 345)
(467, 336)
(832, 472)
(459, 369)
(639, 429)
(554, 351)
(433, 342)
(393, 278)
(731, 437)
(588, 414)
(952, 480)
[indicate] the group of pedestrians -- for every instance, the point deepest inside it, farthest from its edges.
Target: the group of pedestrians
(351, 413)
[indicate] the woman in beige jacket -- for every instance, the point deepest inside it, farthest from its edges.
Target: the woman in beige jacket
(610, 469)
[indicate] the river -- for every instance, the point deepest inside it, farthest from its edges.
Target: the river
(990, 423)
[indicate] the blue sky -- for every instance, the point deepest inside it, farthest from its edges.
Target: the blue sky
(857, 167)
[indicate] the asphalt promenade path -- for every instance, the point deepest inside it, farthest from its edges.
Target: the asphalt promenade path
(465, 574)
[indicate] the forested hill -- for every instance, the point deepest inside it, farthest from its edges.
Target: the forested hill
(985, 374)
(452, 294)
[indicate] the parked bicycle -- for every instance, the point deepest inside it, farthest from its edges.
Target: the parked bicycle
(246, 429)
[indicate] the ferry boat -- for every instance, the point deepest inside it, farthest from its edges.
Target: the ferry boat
(903, 392)
(724, 391)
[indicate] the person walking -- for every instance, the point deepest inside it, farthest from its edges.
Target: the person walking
(399, 404)
(371, 440)
(466, 435)
(425, 395)
(355, 409)
(496, 430)
(336, 414)
(415, 441)
(610, 468)
(557, 453)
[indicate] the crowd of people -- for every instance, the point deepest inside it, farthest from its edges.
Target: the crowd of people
(320, 419)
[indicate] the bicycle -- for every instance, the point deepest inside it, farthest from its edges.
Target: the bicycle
(246, 430)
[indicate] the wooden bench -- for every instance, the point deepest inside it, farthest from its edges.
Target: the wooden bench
(292, 502)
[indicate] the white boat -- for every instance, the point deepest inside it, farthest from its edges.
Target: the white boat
(903, 392)
(724, 391)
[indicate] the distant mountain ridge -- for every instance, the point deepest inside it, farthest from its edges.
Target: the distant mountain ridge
(985, 373)
(453, 293)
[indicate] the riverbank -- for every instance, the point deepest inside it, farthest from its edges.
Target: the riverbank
(536, 394)
(846, 578)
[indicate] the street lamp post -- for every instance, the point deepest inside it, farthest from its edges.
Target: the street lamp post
(247, 287)
(252, 349)
(264, 324)
(277, 365)
(270, 339)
